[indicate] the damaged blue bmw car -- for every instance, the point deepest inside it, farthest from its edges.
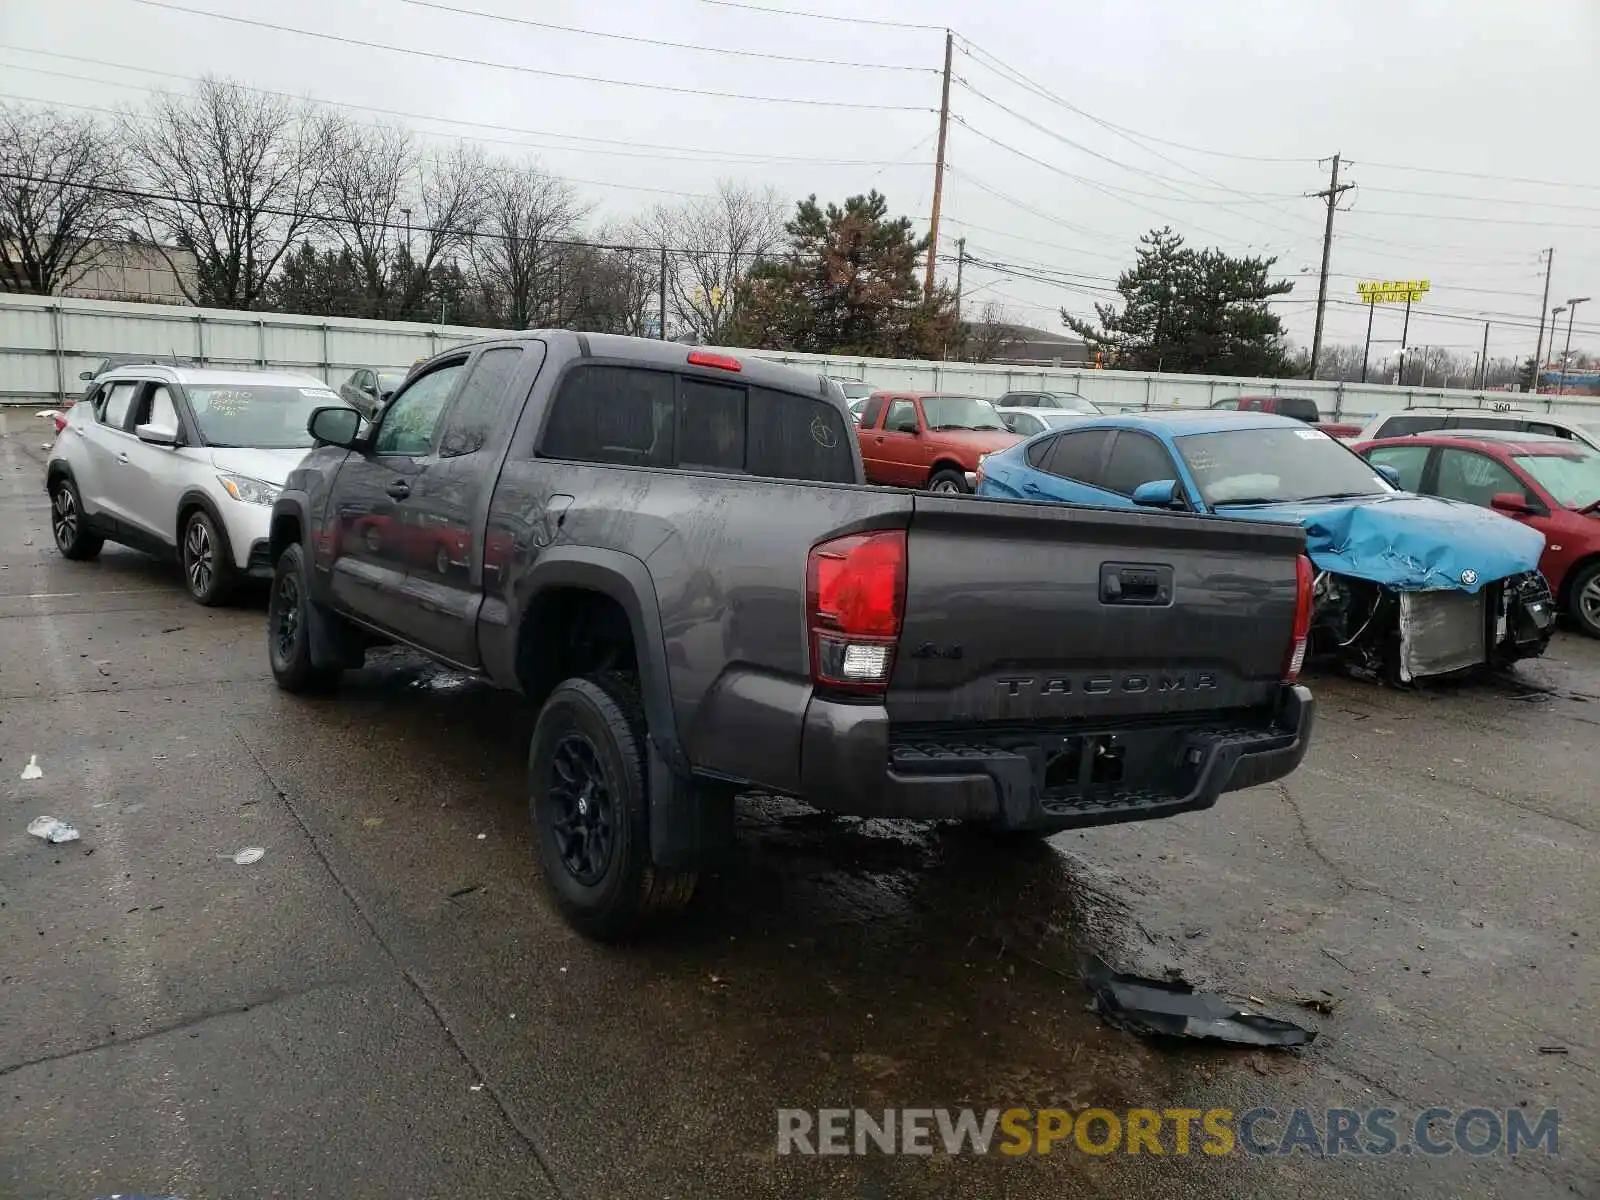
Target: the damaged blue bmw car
(1406, 586)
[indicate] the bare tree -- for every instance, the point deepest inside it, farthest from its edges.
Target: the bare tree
(235, 176)
(715, 241)
(60, 197)
(528, 216)
(398, 212)
(991, 334)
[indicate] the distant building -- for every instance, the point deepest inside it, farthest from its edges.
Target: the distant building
(135, 271)
(1026, 346)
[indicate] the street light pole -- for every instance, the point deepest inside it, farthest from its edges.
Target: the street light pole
(1537, 367)
(1572, 311)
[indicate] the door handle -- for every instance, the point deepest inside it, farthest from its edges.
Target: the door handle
(399, 489)
(122, 458)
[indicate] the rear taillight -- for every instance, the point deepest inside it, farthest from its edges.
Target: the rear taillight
(61, 421)
(1305, 579)
(855, 597)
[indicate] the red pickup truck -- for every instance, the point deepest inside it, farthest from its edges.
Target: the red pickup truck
(1301, 408)
(929, 440)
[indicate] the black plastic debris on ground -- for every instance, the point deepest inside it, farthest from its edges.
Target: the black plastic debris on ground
(1160, 1008)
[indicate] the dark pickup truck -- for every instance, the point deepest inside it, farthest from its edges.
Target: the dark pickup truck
(671, 554)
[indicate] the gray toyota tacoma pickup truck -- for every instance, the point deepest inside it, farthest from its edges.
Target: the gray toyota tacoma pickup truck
(671, 553)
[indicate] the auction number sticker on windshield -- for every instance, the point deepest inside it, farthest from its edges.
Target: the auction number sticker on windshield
(318, 393)
(230, 403)
(1309, 434)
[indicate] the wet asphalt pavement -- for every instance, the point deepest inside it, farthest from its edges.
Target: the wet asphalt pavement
(385, 1005)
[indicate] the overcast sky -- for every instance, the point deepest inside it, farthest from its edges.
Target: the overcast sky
(1476, 91)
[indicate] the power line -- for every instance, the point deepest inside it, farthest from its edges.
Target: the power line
(599, 183)
(525, 70)
(1497, 178)
(691, 46)
(993, 232)
(810, 16)
(999, 67)
(1107, 189)
(1379, 212)
(1163, 180)
(684, 153)
(1517, 200)
(334, 219)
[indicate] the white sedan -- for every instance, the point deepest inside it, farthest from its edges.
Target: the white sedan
(1029, 421)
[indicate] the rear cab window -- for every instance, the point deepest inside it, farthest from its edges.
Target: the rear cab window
(641, 416)
(1299, 408)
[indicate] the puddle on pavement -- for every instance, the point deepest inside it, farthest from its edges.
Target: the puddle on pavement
(860, 961)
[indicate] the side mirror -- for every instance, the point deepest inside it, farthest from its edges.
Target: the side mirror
(1510, 502)
(1158, 493)
(156, 435)
(1392, 474)
(86, 375)
(335, 426)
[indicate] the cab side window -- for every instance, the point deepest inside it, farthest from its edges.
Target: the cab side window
(409, 422)
(482, 403)
(902, 417)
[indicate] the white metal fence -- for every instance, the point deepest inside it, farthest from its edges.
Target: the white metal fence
(45, 342)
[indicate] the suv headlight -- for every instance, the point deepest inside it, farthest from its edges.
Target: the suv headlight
(248, 490)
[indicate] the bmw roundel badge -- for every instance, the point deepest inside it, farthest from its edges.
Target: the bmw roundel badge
(1469, 577)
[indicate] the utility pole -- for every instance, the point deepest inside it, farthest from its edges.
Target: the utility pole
(1549, 257)
(938, 170)
(1366, 348)
(1483, 359)
(1330, 196)
(662, 332)
(961, 263)
(1405, 332)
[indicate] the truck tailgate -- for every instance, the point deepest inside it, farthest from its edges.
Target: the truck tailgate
(1027, 612)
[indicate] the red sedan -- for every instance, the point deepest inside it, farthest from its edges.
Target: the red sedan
(1550, 483)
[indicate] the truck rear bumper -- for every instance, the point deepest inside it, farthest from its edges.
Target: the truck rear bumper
(1043, 778)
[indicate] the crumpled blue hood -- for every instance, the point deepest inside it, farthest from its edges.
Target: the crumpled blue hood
(1410, 543)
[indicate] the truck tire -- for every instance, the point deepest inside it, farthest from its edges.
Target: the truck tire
(1583, 600)
(590, 803)
(72, 536)
(289, 612)
(949, 481)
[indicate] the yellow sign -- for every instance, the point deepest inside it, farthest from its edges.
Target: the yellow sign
(1392, 291)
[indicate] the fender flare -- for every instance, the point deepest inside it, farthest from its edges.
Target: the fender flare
(294, 504)
(688, 829)
(625, 579)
